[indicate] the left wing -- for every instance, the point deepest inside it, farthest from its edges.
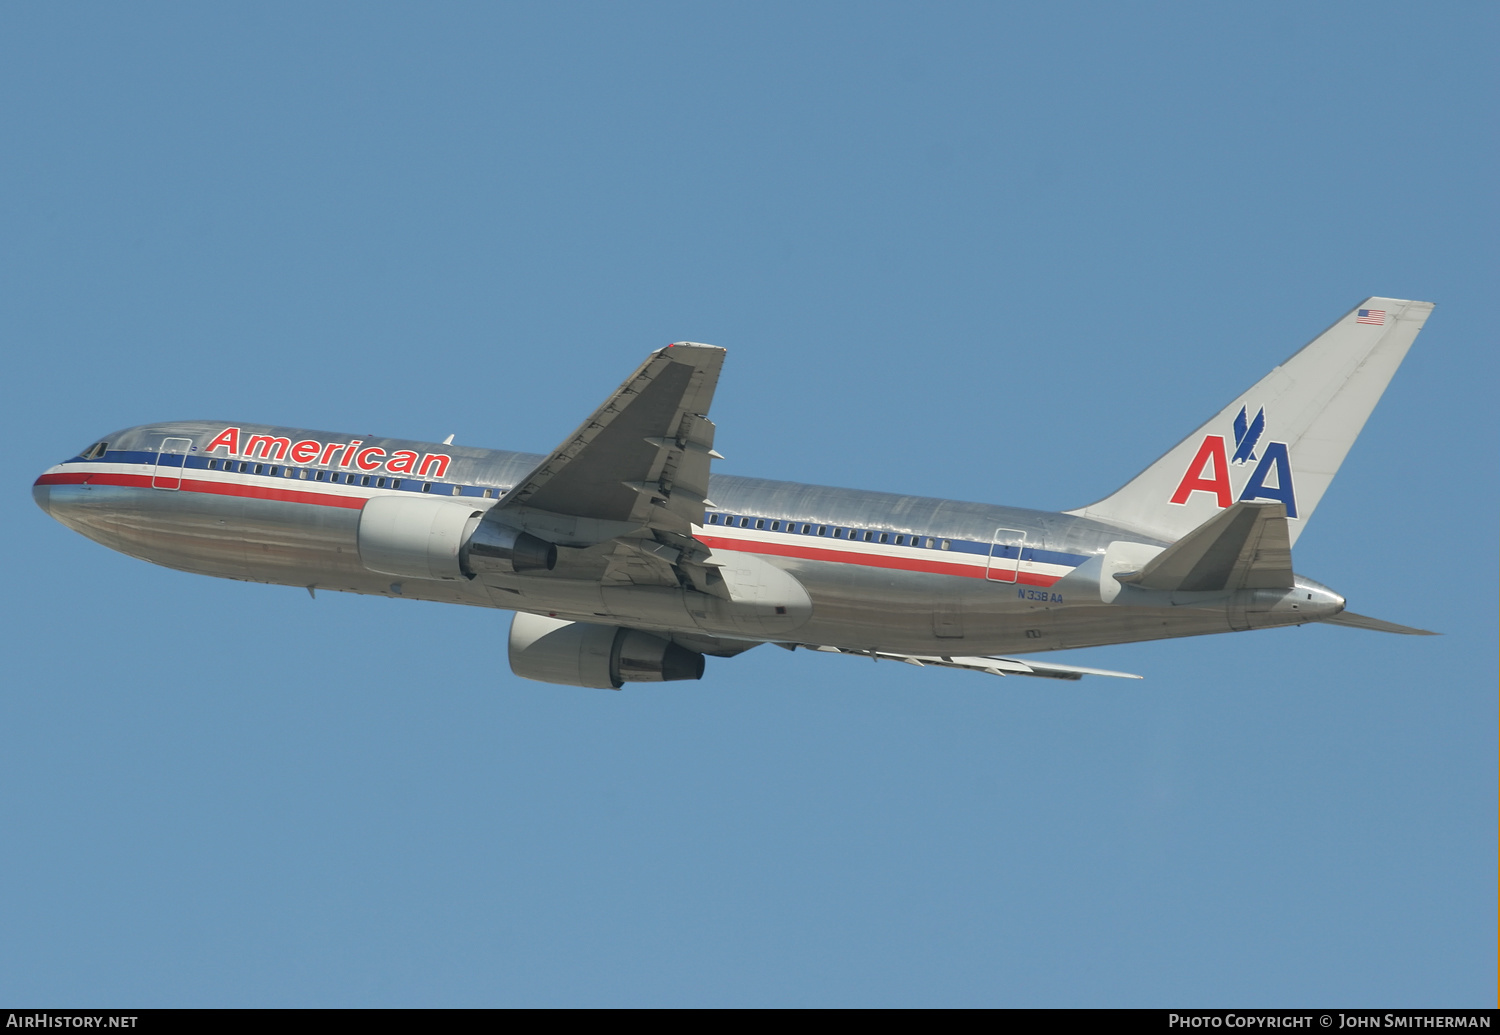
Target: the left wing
(635, 472)
(994, 666)
(641, 459)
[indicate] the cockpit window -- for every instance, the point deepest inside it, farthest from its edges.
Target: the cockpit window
(95, 451)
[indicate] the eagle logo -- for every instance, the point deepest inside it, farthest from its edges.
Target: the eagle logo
(1246, 434)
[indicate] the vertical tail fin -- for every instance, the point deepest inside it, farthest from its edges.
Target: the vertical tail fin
(1282, 440)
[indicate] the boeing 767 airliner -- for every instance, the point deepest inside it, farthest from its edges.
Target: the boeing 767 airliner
(624, 560)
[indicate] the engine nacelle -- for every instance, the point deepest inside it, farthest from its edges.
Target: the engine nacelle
(493, 547)
(551, 650)
(419, 537)
(414, 537)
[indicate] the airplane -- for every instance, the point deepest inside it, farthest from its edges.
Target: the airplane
(625, 560)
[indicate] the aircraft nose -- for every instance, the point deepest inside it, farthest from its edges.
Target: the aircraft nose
(43, 496)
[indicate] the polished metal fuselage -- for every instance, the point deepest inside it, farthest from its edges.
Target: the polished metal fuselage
(949, 578)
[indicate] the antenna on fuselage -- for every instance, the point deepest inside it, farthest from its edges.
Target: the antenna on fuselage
(448, 441)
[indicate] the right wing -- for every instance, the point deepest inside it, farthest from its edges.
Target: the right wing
(993, 666)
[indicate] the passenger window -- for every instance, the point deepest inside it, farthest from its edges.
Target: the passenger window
(275, 471)
(302, 474)
(486, 493)
(869, 536)
(458, 490)
(213, 465)
(776, 526)
(884, 538)
(760, 524)
(744, 522)
(713, 519)
(317, 476)
(947, 544)
(259, 468)
(806, 529)
(365, 480)
(395, 483)
(426, 486)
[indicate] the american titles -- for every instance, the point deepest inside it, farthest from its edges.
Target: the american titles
(351, 454)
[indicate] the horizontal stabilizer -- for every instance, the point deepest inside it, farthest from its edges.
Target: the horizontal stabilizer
(993, 666)
(1247, 546)
(1355, 621)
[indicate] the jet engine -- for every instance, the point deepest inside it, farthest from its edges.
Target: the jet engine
(493, 547)
(420, 537)
(551, 650)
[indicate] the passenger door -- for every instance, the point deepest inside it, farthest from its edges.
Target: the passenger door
(167, 473)
(1005, 554)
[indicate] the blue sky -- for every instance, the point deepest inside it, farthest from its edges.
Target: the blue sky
(1001, 253)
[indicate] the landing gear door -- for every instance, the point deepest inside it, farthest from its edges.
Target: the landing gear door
(1005, 554)
(167, 474)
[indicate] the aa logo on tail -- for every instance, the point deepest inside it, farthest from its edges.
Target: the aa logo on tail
(1209, 469)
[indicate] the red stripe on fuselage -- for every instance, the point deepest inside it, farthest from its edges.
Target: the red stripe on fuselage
(325, 499)
(143, 481)
(812, 553)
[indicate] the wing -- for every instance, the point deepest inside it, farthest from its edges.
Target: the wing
(640, 461)
(993, 666)
(635, 473)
